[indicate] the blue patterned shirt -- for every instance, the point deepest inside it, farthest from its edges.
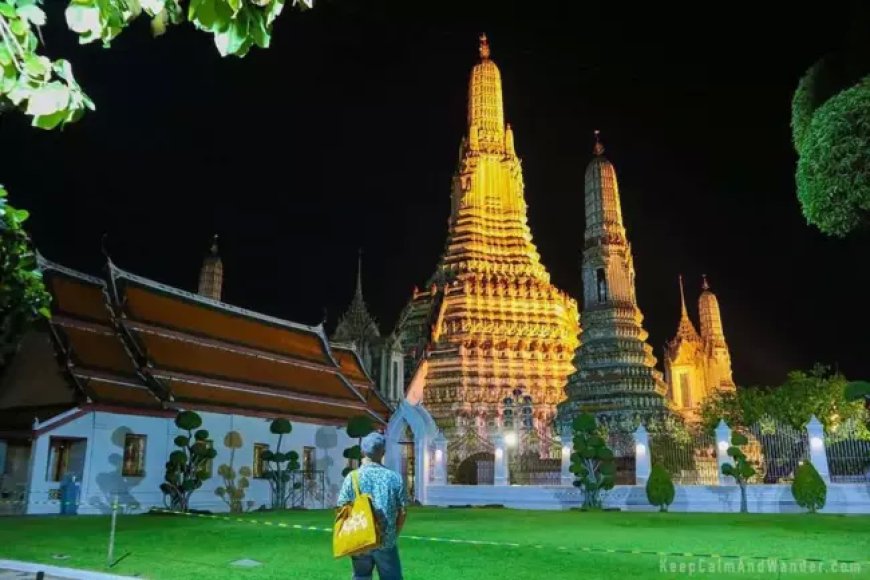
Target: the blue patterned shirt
(388, 496)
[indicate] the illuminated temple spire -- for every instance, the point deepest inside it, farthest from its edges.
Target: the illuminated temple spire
(488, 224)
(616, 377)
(685, 330)
(713, 335)
(489, 320)
(211, 275)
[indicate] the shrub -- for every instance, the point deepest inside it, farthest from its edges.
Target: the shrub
(659, 488)
(281, 466)
(592, 462)
(233, 490)
(358, 427)
(235, 484)
(833, 178)
(185, 470)
(741, 470)
(809, 489)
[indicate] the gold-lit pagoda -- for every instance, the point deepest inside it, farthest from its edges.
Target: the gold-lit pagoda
(697, 365)
(489, 320)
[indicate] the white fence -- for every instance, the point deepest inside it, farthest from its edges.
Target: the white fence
(696, 464)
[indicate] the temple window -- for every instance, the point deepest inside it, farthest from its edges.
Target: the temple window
(685, 392)
(134, 455)
(58, 458)
(260, 464)
(601, 284)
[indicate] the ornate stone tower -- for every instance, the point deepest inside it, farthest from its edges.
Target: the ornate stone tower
(489, 320)
(381, 356)
(356, 325)
(211, 275)
(616, 377)
(696, 366)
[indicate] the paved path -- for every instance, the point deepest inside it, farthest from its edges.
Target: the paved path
(15, 570)
(16, 575)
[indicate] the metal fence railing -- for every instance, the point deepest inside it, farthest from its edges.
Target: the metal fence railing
(848, 460)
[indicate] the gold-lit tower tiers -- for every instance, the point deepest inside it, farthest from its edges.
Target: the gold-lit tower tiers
(489, 321)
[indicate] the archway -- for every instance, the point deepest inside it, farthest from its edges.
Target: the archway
(409, 435)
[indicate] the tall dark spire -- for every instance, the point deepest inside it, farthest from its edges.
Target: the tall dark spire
(356, 324)
(358, 291)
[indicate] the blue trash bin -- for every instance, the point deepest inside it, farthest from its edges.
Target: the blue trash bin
(69, 495)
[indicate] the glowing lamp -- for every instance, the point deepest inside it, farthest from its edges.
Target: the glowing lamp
(439, 455)
(498, 452)
(723, 446)
(816, 443)
(566, 450)
(640, 450)
(510, 439)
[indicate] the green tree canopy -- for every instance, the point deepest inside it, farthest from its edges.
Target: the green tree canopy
(818, 392)
(23, 298)
(46, 90)
(831, 132)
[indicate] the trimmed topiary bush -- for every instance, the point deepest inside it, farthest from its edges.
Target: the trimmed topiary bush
(592, 462)
(830, 121)
(185, 470)
(741, 470)
(809, 489)
(833, 173)
(281, 466)
(357, 427)
(659, 488)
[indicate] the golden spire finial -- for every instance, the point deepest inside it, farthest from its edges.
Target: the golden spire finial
(682, 297)
(599, 147)
(484, 46)
(704, 284)
(214, 245)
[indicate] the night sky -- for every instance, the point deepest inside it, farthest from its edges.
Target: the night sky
(345, 134)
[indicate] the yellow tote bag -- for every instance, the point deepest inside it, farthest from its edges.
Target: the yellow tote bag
(355, 530)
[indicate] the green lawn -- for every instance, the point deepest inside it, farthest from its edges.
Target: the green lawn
(553, 545)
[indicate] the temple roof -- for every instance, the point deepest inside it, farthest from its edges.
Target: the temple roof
(131, 341)
(357, 325)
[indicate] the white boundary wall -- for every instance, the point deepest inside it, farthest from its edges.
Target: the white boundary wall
(102, 479)
(846, 498)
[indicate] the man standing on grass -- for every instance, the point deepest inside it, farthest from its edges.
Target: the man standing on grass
(388, 499)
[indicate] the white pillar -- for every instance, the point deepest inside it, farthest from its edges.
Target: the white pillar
(723, 442)
(818, 453)
(567, 477)
(501, 465)
(642, 459)
(440, 471)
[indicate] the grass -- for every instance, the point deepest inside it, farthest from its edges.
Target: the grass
(553, 545)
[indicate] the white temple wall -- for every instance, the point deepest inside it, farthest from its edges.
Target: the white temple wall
(101, 444)
(842, 498)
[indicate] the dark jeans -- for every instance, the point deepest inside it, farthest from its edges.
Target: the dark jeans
(385, 559)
